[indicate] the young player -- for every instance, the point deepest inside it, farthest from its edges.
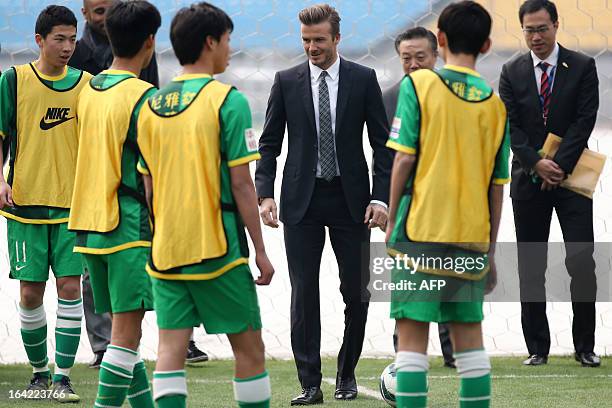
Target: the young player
(38, 122)
(109, 211)
(456, 126)
(196, 141)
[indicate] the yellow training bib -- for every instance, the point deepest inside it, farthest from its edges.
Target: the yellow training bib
(104, 121)
(45, 160)
(182, 151)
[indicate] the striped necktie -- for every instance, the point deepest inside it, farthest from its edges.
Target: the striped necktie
(545, 85)
(327, 153)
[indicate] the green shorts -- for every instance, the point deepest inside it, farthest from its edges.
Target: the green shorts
(119, 281)
(34, 248)
(432, 298)
(227, 304)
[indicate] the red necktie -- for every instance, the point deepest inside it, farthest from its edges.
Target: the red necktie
(545, 89)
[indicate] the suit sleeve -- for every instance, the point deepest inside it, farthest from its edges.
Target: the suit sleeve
(577, 135)
(519, 139)
(271, 141)
(378, 131)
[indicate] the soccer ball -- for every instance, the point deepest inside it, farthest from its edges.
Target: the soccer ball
(387, 384)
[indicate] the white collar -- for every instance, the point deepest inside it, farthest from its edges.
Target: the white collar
(552, 59)
(333, 71)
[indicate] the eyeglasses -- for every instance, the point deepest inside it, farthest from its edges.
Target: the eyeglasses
(537, 30)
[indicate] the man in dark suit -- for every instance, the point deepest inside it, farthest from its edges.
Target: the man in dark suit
(93, 53)
(418, 49)
(551, 89)
(325, 103)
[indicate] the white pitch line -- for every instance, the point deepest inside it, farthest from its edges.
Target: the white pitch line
(513, 376)
(361, 389)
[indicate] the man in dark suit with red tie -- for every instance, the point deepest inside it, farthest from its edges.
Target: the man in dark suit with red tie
(551, 90)
(324, 103)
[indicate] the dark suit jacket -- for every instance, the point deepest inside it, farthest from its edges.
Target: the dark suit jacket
(390, 96)
(572, 114)
(290, 104)
(93, 54)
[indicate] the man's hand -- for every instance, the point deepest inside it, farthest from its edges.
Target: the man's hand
(491, 276)
(266, 270)
(268, 211)
(549, 171)
(546, 186)
(376, 216)
(6, 195)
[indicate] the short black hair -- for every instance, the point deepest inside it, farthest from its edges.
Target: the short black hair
(128, 24)
(533, 6)
(467, 26)
(52, 16)
(417, 32)
(192, 25)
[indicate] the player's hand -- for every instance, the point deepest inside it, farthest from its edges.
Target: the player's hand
(6, 195)
(266, 270)
(268, 212)
(376, 216)
(549, 171)
(491, 276)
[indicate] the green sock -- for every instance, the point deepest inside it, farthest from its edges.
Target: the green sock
(172, 401)
(34, 337)
(170, 389)
(139, 393)
(475, 392)
(115, 376)
(253, 392)
(411, 389)
(67, 335)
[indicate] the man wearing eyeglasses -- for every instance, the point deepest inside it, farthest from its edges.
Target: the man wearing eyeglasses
(551, 90)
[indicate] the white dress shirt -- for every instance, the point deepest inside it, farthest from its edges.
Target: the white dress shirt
(552, 60)
(332, 79)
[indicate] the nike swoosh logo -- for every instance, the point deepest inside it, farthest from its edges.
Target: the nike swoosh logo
(50, 125)
(18, 268)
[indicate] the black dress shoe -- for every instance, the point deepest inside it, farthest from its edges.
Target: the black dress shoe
(589, 359)
(450, 364)
(536, 360)
(309, 396)
(97, 360)
(346, 389)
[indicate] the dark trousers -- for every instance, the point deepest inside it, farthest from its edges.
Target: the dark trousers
(532, 220)
(445, 342)
(304, 245)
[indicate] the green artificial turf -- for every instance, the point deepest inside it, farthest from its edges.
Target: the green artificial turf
(560, 384)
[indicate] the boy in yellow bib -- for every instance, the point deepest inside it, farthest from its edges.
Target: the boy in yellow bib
(39, 125)
(109, 211)
(196, 142)
(446, 205)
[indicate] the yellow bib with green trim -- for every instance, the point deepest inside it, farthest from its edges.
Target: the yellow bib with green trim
(103, 130)
(445, 184)
(182, 151)
(45, 160)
